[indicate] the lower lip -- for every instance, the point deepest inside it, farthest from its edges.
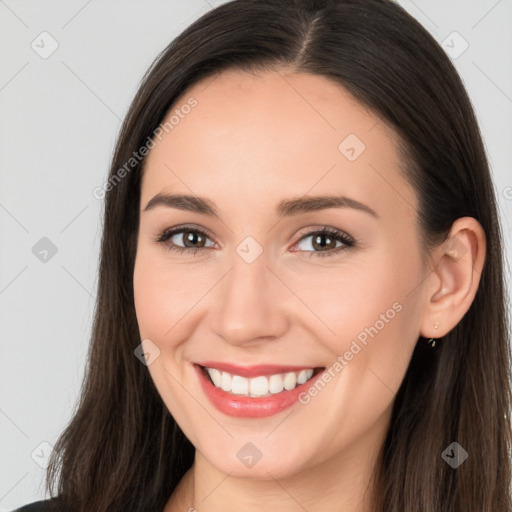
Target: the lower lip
(247, 407)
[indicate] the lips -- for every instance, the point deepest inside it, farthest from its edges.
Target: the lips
(266, 401)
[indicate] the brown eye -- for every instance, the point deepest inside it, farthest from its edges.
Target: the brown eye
(325, 242)
(184, 239)
(191, 238)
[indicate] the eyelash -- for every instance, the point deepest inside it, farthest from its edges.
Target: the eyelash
(348, 242)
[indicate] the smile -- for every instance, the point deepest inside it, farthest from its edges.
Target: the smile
(256, 391)
(258, 386)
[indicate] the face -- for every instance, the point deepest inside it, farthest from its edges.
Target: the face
(261, 281)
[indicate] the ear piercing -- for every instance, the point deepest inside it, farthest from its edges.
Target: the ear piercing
(432, 340)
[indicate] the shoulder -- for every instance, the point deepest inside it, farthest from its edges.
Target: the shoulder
(38, 506)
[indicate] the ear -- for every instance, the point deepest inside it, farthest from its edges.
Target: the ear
(453, 282)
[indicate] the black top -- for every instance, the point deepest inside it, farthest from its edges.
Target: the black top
(37, 506)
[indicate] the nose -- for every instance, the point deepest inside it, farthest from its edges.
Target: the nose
(250, 303)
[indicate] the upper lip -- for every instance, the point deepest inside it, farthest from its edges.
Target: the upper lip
(254, 370)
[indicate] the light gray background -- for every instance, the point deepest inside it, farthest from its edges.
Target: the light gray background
(59, 118)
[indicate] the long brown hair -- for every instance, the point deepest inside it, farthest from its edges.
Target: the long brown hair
(123, 451)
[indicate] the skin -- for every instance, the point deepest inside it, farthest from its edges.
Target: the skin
(252, 141)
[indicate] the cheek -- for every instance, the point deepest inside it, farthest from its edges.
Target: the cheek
(369, 314)
(162, 298)
(163, 293)
(381, 330)
(344, 301)
(376, 331)
(149, 299)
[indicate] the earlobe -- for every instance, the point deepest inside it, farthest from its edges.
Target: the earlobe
(453, 282)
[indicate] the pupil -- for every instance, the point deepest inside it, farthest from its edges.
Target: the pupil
(318, 244)
(192, 237)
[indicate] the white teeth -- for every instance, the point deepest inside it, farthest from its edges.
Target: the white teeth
(258, 386)
(225, 382)
(290, 381)
(275, 384)
(216, 376)
(303, 376)
(239, 385)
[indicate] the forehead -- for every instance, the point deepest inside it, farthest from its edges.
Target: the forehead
(274, 134)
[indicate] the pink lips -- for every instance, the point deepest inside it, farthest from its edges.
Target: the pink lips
(249, 407)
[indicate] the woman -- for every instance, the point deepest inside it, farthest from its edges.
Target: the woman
(301, 298)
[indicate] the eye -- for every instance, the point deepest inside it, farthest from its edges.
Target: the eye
(193, 239)
(324, 242)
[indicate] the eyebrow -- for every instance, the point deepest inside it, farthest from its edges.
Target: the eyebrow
(285, 208)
